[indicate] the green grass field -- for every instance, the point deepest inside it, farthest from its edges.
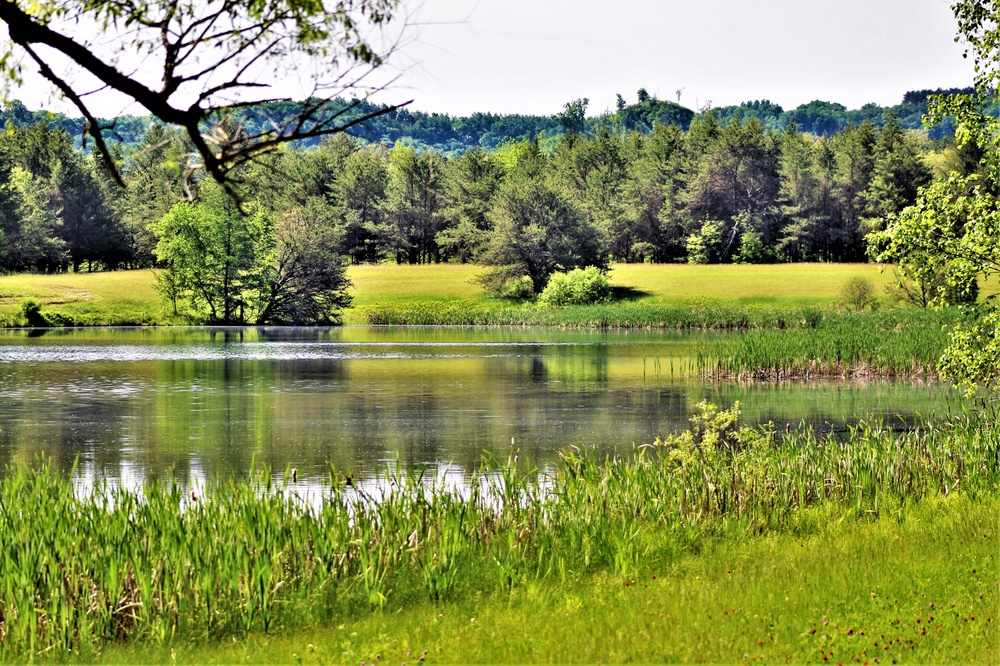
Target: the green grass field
(918, 589)
(120, 297)
(128, 297)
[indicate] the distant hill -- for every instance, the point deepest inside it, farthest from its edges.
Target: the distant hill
(455, 134)
(827, 118)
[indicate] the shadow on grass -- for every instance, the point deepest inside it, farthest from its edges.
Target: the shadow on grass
(628, 294)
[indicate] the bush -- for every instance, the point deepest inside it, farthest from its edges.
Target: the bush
(32, 311)
(858, 293)
(581, 286)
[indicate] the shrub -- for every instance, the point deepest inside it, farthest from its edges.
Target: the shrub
(580, 286)
(858, 293)
(32, 311)
(752, 250)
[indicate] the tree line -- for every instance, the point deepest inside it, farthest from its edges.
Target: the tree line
(718, 192)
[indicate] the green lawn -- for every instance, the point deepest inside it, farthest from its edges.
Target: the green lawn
(125, 297)
(924, 588)
(779, 284)
(128, 297)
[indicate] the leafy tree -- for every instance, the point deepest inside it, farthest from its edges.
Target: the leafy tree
(658, 179)
(218, 259)
(536, 231)
(898, 172)
(153, 175)
(574, 116)
(858, 293)
(820, 118)
(594, 172)
(361, 193)
(854, 152)
(29, 230)
(414, 205)
(307, 283)
(471, 182)
(803, 199)
(85, 223)
(705, 246)
(957, 219)
(737, 174)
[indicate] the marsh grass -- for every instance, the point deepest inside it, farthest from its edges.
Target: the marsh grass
(904, 344)
(80, 571)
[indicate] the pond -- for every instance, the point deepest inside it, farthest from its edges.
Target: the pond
(127, 403)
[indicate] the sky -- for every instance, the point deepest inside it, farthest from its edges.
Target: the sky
(533, 56)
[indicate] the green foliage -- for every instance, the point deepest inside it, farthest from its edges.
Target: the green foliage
(752, 250)
(232, 267)
(536, 232)
(31, 310)
(932, 287)
(580, 286)
(954, 227)
(574, 116)
(218, 258)
(721, 192)
(858, 293)
(705, 245)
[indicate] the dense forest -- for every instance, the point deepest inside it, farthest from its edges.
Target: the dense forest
(716, 193)
(713, 187)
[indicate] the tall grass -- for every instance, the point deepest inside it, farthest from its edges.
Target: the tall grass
(906, 344)
(80, 570)
(717, 316)
(710, 315)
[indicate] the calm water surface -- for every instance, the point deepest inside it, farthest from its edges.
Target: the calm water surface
(128, 403)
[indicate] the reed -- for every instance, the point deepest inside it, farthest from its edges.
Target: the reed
(81, 570)
(712, 315)
(892, 345)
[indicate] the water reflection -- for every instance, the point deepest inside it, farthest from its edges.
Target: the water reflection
(207, 402)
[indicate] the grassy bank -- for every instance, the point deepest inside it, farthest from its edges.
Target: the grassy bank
(796, 329)
(85, 299)
(915, 588)
(245, 558)
(442, 293)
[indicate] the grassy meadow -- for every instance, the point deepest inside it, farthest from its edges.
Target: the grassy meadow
(801, 525)
(128, 297)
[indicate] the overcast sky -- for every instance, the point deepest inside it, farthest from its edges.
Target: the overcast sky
(532, 56)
